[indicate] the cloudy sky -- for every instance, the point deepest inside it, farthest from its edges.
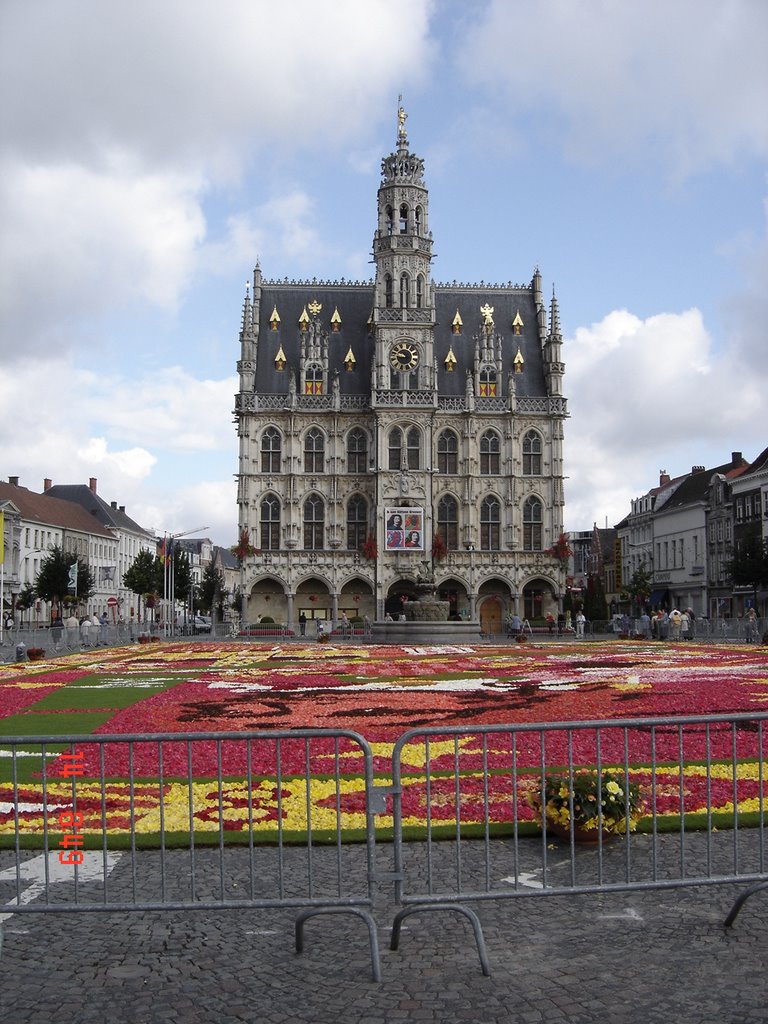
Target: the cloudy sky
(151, 152)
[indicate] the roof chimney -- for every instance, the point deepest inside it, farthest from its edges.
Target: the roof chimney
(663, 477)
(47, 484)
(13, 481)
(122, 508)
(736, 458)
(698, 469)
(92, 484)
(113, 504)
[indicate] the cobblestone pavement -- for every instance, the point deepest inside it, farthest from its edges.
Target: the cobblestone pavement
(645, 957)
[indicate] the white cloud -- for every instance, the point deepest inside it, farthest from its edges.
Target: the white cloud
(651, 395)
(80, 241)
(130, 118)
(682, 82)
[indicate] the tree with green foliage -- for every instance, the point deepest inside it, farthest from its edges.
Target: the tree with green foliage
(212, 589)
(52, 581)
(24, 599)
(639, 587)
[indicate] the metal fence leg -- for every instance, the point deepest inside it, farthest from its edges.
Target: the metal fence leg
(457, 908)
(358, 912)
(741, 900)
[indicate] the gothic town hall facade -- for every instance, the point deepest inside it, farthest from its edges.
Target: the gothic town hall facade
(399, 427)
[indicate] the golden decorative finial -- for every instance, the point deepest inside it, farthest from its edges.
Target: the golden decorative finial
(314, 307)
(487, 314)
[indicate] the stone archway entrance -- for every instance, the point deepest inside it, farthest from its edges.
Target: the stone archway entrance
(538, 599)
(400, 592)
(491, 615)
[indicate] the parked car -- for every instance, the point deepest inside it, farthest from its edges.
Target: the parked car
(201, 624)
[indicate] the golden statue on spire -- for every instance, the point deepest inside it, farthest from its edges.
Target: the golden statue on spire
(401, 119)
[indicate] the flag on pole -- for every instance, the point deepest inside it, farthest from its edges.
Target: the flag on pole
(2, 538)
(170, 550)
(72, 579)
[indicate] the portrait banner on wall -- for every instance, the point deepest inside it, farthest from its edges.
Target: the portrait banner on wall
(404, 529)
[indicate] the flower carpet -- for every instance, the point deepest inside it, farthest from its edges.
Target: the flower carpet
(378, 693)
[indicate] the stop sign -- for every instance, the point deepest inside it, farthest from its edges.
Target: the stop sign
(112, 602)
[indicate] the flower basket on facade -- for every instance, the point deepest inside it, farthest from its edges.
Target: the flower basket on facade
(561, 549)
(244, 549)
(439, 550)
(370, 547)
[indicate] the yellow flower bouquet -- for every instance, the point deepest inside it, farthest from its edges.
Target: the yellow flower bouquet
(604, 801)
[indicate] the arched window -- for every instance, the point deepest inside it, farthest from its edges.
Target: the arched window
(531, 454)
(490, 525)
(490, 446)
(269, 523)
(314, 523)
(313, 380)
(448, 522)
(447, 452)
(403, 219)
(357, 522)
(271, 444)
(487, 382)
(388, 296)
(413, 448)
(532, 516)
(404, 288)
(395, 446)
(417, 220)
(419, 291)
(389, 220)
(357, 451)
(412, 442)
(314, 451)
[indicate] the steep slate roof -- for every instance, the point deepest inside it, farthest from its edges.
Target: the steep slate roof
(354, 303)
(82, 495)
(695, 486)
(759, 465)
(226, 558)
(49, 511)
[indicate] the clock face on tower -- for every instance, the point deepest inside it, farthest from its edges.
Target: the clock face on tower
(404, 356)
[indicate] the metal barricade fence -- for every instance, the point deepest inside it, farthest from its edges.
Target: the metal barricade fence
(224, 821)
(484, 792)
(260, 820)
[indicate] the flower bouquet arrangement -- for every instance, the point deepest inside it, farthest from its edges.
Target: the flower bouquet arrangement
(591, 802)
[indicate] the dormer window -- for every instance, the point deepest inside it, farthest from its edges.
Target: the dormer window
(389, 223)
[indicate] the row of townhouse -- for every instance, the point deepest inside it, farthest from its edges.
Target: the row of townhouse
(77, 519)
(685, 530)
